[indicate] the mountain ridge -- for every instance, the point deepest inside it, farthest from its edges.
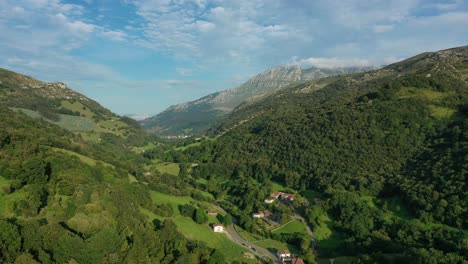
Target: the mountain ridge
(196, 116)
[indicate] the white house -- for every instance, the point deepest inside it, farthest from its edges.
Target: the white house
(218, 228)
(269, 200)
(284, 255)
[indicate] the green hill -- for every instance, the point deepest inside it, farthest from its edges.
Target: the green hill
(58, 104)
(67, 199)
(360, 141)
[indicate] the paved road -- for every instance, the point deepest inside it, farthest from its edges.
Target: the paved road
(260, 252)
(235, 237)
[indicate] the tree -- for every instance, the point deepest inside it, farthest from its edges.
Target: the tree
(183, 170)
(200, 217)
(227, 219)
(216, 258)
(10, 241)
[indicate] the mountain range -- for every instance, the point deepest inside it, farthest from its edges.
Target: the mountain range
(368, 167)
(195, 117)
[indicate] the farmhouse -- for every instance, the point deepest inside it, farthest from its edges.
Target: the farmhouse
(276, 195)
(212, 212)
(218, 228)
(261, 214)
(284, 255)
(288, 196)
(269, 200)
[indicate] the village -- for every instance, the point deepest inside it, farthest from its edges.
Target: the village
(271, 217)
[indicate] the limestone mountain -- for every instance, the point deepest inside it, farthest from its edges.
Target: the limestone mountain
(197, 116)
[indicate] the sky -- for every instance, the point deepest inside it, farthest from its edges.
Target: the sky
(141, 56)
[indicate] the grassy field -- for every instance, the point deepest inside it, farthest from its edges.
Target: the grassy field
(188, 146)
(323, 232)
(91, 136)
(194, 231)
(294, 226)
(72, 123)
(114, 126)
(75, 123)
(77, 106)
(424, 93)
(204, 233)
(148, 146)
(277, 187)
(169, 168)
(195, 144)
(175, 201)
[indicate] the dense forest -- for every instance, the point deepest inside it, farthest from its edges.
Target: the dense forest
(360, 142)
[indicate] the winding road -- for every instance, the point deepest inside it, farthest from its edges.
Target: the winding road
(235, 237)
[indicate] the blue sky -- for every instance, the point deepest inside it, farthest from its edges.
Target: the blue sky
(141, 56)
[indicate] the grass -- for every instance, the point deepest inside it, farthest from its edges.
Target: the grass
(194, 231)
(113, 126)
(169, 168)
(72, 123)
(92, 137)
(395, 207)
(148, 146)
(84, 159)
(175, 201)
(3, 182)
(7, 201)
(132, 178)
(77, 106)
(82, 124)
(75, 123)
(276, 187)
(272, 245)
(248, 236)
(323, 232)
(188, 146)
(441, 112)
(294, 226)
(204, 233)
(424, 93)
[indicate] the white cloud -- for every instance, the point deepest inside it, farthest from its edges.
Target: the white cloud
(115, 35)
(184, 71)
(382, 28)
(447, 6)
(330, 63)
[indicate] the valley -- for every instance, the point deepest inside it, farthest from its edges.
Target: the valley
(359, 167)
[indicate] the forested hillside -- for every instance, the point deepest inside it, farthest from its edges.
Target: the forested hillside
(66, 198)
(195, 117)
(385, 151)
